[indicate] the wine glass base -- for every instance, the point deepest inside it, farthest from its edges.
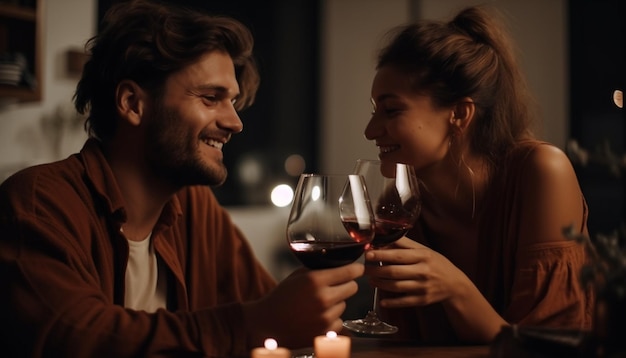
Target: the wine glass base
(370, 325)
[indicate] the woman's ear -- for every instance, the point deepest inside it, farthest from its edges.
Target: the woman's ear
(130, 101)
(463, 113)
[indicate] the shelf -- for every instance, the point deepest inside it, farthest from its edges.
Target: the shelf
(21, 33)
(18, 12)
(22, 94)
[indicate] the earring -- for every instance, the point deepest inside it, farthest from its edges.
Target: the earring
(451, 137)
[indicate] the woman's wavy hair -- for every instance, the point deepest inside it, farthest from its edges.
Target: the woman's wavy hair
(470, 56)
(147, 41)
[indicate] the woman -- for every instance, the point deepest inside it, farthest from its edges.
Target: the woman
(488, 249)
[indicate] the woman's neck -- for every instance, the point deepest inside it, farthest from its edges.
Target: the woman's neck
(456, 186)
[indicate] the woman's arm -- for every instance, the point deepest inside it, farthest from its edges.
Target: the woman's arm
(550, 200)
(424, 277)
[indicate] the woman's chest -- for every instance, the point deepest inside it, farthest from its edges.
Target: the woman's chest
(458, 242)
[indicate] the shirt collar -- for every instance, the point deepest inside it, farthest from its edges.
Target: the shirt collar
(101, 176)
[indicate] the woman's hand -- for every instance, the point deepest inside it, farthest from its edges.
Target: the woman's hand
(419, 275)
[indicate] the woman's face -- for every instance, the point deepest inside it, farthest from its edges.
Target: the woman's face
(407, 126)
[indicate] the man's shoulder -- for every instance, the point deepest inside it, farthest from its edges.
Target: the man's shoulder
(55, 182)
(45, 175)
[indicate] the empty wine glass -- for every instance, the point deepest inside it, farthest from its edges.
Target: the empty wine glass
(331, 220)
(393, 189)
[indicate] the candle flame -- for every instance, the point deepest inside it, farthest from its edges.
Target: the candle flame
(331, 334)
(271, 344)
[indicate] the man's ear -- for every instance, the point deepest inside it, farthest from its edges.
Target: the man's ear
(130, 101)
(463, 113)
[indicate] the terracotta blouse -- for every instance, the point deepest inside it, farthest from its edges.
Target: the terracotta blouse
(537, 285)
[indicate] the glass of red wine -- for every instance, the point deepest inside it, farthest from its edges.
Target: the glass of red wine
(394, 192)
(331, 220)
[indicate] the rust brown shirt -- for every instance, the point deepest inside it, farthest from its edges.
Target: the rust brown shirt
(63, 259)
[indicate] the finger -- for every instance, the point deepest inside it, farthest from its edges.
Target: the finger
(398, 256)
(420, 271)
(339, 275)
(336, 326)
(406, 243)
(340, 292)
(334, 313)
(403, 286)
(404, 301)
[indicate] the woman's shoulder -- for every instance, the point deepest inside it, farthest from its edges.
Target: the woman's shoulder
(552, 197)
(536, 157)
(540, 159)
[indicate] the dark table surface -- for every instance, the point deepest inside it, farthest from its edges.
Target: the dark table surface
(381, 348)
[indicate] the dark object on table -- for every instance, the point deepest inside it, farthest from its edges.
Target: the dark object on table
(524, 342)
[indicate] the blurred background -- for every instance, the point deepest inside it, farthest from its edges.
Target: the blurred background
(316, 59)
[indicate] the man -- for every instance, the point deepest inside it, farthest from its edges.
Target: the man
(121, 250)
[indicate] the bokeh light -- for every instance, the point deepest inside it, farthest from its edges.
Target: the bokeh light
(294, 165)
(282, 195)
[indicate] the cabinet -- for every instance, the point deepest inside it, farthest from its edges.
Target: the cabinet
(21, 50)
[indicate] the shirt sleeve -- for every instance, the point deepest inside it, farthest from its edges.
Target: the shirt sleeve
(60, 292)
(547, 289)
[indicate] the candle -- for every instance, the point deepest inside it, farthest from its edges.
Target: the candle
(271, 350)
(332, 346)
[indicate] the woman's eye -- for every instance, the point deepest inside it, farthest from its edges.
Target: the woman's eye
(391, 111)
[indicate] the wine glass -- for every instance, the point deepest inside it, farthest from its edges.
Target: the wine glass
(331, 220)
(394, 192)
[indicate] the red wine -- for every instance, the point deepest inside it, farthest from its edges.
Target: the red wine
(327, 254)
(387, 231)
(357, 232)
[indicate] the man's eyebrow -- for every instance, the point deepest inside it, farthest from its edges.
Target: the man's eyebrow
(212, 87)
(218, 88)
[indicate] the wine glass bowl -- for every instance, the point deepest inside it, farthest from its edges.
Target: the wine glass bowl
(395, 197)
(394, 192)
(331, 220)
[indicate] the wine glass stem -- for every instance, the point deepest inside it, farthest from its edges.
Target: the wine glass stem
(375, 303)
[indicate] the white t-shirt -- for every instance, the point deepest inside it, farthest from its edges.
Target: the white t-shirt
(146, 286)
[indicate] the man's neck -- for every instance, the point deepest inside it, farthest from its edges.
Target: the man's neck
(144, 194)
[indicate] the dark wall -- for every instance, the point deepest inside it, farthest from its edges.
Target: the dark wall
(284, 117)
(597, 61)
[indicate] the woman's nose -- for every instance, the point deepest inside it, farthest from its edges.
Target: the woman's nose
(373, 129)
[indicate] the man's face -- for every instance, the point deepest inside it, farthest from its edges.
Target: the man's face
(192, 122)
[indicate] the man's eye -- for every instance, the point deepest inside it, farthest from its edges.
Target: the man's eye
(233, 101)
(209, 100)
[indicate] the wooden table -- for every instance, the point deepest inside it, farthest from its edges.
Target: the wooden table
(381, 348)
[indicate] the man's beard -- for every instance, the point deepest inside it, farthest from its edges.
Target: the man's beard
(174, 155)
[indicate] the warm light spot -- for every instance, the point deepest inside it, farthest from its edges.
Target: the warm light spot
(250, 171)
(618, 98)
(281, 195)
(315, 193)
(271, 344)
(294, 165)
(331, 334)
